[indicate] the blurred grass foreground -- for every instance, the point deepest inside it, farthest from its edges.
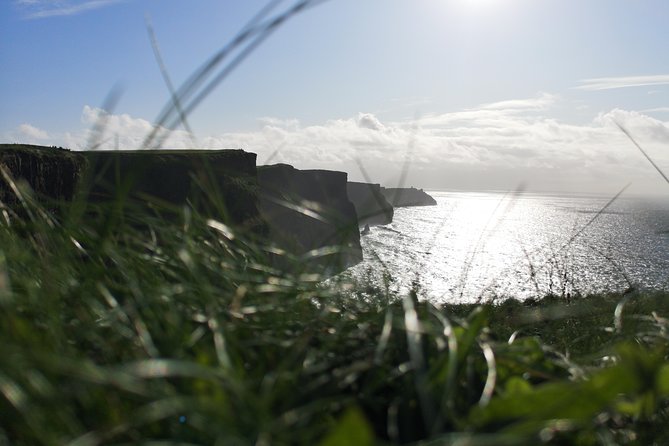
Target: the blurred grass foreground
(150, 322)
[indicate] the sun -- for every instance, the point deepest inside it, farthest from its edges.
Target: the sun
(482, 8)
(473, 8)
(479, 3)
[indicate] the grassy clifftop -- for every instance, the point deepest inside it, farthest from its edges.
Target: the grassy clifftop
(184, 334)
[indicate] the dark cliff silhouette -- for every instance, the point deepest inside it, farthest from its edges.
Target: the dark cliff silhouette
(52, 173)
(300, 210)
(407, 196)
(370, 204)
(218, 183)
(310, 209)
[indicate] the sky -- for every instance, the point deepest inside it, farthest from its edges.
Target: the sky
(445, 94)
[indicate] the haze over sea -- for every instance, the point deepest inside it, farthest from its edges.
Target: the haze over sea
(475, 245)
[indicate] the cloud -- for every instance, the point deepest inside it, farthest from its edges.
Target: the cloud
(369, 121)
(646, 127)
(656, 110)
(496, 114)
(494, 146)
(541, 101)
(609, 83)
(32, 133)
(276, 122)
(39, 9)
(121, 131)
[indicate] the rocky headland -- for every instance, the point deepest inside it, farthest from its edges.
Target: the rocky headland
(407, 196)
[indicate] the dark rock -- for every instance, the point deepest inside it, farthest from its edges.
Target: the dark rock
(370, 204)
(407, 196)
(221, 184)
(51, 172)
(218, 183)
(300, 210)
(310, 209)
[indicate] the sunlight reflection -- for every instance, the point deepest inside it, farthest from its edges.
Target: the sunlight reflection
(491, 245)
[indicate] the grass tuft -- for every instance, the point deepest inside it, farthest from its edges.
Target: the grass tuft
(184, 333)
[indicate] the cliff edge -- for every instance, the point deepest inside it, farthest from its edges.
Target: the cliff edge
(218, 183)
(299, 210)
(407, 196)
(52, 173)
(221, 184)
(370, 204)
(310, 209)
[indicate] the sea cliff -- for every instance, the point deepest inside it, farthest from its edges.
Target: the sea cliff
(407, 196)
(218, 183)
(299, 211)
(52, 173)
(309, 209)
(370, 204)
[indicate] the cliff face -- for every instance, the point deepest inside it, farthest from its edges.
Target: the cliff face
(219, 183)
(407, 196)
(310, 209)
(370, 204)
(52, 173)
(300, 210)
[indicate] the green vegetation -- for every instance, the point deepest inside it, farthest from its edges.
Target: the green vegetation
(181, 331)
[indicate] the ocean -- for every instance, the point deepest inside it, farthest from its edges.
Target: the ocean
(476, 246)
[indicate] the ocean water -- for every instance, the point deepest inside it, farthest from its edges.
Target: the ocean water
(482, 246)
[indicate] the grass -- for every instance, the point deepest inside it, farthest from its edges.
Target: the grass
(180, 331)
(144, 330)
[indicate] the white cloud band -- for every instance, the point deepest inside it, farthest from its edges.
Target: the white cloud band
(39, 9)
(610, 83)
(493, 146)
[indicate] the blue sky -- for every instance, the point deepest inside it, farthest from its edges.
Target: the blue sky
(477, 94)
